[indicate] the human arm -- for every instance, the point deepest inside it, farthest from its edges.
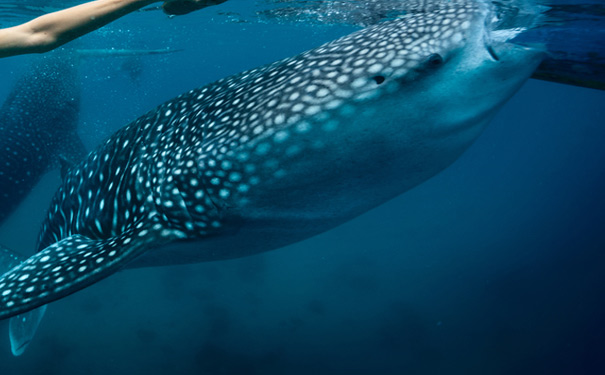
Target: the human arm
(52, 30)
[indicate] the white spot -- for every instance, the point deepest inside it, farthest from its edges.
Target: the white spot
(312, 110)
(234, 176)
(279, 119)
(281, 136)
(359, 82)
(375, 68)
(397, 63)
(330, 125)
(457, 38)
(263, 148)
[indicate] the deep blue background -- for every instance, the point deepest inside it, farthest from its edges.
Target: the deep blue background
(495, 266)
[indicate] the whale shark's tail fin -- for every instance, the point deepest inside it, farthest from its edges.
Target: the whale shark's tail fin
(22, 327)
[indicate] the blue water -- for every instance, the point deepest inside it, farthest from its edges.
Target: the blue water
(495, 266)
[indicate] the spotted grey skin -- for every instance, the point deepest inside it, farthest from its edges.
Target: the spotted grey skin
(38, 127)
(277, 154)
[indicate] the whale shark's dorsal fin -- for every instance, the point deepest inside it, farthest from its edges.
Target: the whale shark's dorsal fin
(22, 327)
(72, 264)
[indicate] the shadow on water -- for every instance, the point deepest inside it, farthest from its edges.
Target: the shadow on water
(56, 355)
(219, 320)
(544, 307)
(251, 270)
(91, 305)
(316, 307)
(175, 282)
(357, 274)
(146, 336)
(408, 339)
(213, 359)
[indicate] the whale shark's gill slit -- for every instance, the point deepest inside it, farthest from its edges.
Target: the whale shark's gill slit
(492, 53)
(378, 79)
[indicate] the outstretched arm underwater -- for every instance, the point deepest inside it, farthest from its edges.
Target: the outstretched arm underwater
(52, 30)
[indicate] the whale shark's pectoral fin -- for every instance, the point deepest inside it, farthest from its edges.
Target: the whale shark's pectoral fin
(22, 328)
(70, 265)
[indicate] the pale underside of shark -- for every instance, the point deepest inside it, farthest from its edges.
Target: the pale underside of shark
(277, 154)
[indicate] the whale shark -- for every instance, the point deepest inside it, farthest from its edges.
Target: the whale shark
(38, 123)
(276, 154)
(39, 118)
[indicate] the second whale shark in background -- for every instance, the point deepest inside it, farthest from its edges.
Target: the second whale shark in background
(277, 154)
(38, 123)
(39, 119)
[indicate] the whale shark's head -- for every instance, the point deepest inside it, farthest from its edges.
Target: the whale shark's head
(448, 61)
(462, 69)
(433, 78)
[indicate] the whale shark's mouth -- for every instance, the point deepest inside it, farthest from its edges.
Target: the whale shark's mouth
(501, 27)
(508, 20)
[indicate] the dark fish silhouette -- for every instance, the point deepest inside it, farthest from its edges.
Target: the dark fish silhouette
(38, 124)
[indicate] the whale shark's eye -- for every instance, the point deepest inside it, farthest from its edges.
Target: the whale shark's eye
(378, 79)
(435, 60)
